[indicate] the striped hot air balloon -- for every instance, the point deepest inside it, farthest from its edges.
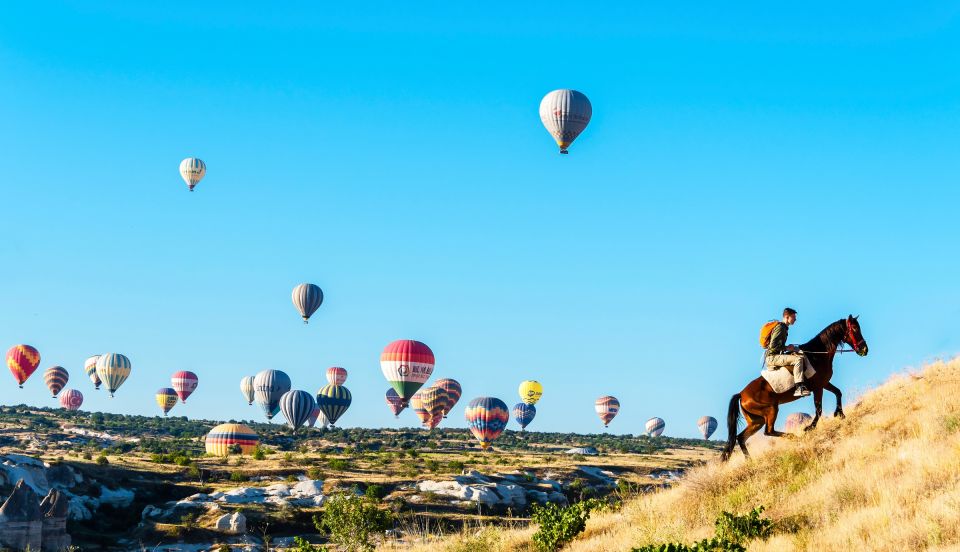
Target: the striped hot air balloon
(317, 417)
(227, 436)
(607, 408)
(565, 114)
(268, 387)
(307, 298)
(296, 406)
(407, 365)
(487, 417)
(55, 378)
(394, 402)
(454, 391)
(654, 427)
(707, 425)
(166, 399)
(90, 368)
(333, 401)
(71, 399)
(184, 383)
(246, 387)
(192, 170)
(416, 404)
(434, 400)
(524, 413)
(434, 421)
(22, 360)
(530, 391)
(336, 375)
(797, 422)
(113, 369)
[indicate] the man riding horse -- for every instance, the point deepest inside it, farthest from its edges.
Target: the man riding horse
(781, 355)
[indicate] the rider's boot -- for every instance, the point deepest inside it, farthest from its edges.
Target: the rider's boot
(801, 391)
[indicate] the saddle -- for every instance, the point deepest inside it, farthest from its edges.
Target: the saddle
(781, 378)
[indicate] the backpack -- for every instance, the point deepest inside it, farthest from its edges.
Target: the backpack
(765, 332)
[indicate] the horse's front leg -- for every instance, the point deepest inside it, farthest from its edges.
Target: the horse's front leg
(833, 389)
(818, 405)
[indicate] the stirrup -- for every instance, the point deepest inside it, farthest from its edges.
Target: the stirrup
(801, 391)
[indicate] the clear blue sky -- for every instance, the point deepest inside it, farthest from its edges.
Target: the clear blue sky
(740, 159)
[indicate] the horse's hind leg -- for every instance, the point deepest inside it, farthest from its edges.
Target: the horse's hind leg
(770, 417)
(754, 424)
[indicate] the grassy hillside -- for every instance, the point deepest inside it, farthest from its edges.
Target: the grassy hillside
(886, 478)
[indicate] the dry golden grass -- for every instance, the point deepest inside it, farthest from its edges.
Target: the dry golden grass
(886, 478)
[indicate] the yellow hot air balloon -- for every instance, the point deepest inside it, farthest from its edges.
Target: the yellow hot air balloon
(530, 391)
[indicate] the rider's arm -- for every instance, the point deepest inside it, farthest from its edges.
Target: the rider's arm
(778, 339)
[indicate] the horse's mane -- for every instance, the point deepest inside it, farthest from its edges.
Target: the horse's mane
(828, 338)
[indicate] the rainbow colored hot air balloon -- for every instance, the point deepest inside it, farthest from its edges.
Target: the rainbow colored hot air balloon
(524, 413)
(246, 387)
(71, 399)
(654, 427)
(394, 402)
(184, 383)
(90, 368)
(530, 391)
(166, 399)
(416, 404)
(434, 421)
(607, 408)
(707, 425)
(113, 369)
(297, 406)
(55, 378)
(407, 365)
(565, 114)
(333, 401)
(226, 436)
(192, 170)
(487, 417)
(336, 375)
(268, 387)
(797, 422)
(307, 298)
(434, 400)
(22, 360)
(454, 391)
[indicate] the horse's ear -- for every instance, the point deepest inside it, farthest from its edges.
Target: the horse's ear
(856, 317)
(850, 318)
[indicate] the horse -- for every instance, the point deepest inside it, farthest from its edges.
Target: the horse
(760, 404)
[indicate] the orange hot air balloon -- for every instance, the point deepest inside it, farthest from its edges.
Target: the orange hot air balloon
(22, 360)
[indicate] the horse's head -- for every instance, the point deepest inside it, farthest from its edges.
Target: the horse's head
(853, 337)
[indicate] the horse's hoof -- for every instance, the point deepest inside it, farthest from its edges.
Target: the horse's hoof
(810, 428)
(840, 414)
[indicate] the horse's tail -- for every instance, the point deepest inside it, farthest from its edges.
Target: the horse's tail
(733, 418)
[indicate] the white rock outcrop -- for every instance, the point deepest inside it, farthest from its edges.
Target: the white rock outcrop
(231, 524)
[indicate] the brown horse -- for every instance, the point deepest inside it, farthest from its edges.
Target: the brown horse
(760, 404)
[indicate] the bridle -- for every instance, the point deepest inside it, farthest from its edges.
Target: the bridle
(851, 339)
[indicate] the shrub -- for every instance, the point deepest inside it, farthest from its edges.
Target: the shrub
(732, 532)
(237, 477)
(315, 473)
(259, 453)
(560, 524)
(351, 522)
(456, 466)
(338, 464)
(375, 492)
(102, 460)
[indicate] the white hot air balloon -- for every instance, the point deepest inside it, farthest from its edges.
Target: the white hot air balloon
(565, 113)
(192, 171)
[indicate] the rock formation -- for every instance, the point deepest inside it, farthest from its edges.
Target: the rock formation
(54, 508)
(26, 523)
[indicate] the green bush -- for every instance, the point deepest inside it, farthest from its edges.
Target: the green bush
(102, 460)
(338, 464)
(259, 453)
(375, 492)
(315, 473)
(237, 477)
(560, 524)
(732, 532)
(352, 521)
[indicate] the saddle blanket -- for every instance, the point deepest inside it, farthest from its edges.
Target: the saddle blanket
(781, 379)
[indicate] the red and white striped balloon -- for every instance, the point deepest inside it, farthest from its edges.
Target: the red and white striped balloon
(336, 375)
(184, 383)
(71, 399)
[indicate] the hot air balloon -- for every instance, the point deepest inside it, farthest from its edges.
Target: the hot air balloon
(113, 369)
(166, 399)
(434, 421)
(268, 387)
(407, 365)
(336, 375)
(192, 171)
(524, 413)
(416, 404)
(307, 298)
(394, 402)
(530, 391)
(22, 360)
(246, 387)
(184, 383)
(71, 399)
(226, 436)
(565, 113)
(296, 406)
(707, 425)
(434, 400)
(90, 368)
(317, 416)
(333, 401)
(654, 427)
(607, 408)
(797, 422)
(55, 378)
(453, 389)
(486, 417)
